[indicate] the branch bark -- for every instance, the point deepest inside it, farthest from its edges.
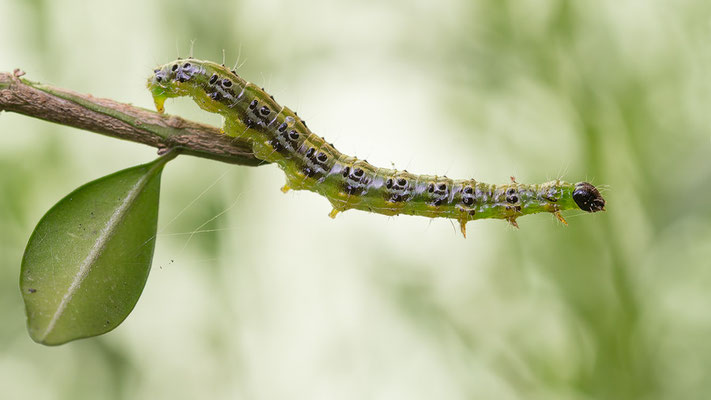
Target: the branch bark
(120, 120)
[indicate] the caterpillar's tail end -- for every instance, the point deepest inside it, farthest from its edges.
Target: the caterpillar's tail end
(463, 227)
(588, 198)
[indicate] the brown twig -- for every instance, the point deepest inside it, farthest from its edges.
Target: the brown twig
(119, 120)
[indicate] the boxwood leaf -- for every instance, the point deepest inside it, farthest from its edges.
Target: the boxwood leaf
(88, 259)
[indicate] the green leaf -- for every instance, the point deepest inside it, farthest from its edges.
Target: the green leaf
(88, 259)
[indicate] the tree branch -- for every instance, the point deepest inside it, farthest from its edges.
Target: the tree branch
(119, 120)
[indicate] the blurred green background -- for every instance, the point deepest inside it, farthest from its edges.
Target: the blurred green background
(259, 295)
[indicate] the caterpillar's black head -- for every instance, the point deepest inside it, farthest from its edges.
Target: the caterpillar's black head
(588, 198)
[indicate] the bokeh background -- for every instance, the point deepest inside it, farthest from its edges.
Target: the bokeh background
(259, 295)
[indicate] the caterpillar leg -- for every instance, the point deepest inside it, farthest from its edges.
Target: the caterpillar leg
(338, 205)
(285, 188)
(463, 227)
(560, 218)
(512, 221)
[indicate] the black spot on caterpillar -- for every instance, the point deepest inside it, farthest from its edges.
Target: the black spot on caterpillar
(279, 136)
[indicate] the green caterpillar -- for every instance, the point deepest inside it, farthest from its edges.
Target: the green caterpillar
(279, 136)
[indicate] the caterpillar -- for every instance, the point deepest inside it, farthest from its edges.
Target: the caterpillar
(279, 136)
